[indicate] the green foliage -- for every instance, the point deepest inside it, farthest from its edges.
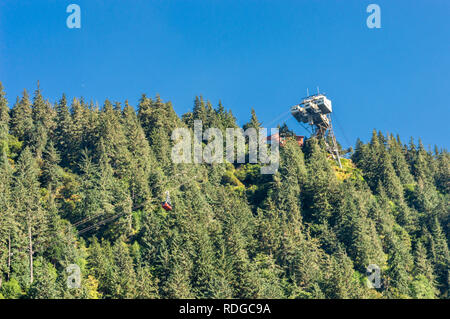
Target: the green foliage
(83, 185)
(44, 286)
(11, 289)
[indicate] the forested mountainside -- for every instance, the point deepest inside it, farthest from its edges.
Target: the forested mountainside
(83, 185)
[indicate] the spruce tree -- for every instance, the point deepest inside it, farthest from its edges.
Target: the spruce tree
(254, 122)
(62, 136)
(4, 109)
(21, 118)
(26, 197)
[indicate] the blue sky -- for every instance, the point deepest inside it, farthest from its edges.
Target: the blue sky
(249, 53)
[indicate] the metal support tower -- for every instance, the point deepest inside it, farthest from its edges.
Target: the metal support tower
(333, 148)
(315, 110)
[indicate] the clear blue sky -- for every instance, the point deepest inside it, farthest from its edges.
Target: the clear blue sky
(248, 53)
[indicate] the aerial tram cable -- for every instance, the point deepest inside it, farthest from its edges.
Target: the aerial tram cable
(105, 221)
(85, 220)
(166, 205)
(342, 130)
(281, 117)
(307, 129)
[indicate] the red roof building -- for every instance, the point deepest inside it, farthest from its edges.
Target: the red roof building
(282, 139)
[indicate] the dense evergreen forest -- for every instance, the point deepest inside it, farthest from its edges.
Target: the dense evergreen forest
(82, 184)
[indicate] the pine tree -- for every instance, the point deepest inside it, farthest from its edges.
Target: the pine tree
(21, 118)
(141, 157)
(399, 267)
(146, 285)
(123, 274)
(254, 123)
(78, 129)
(320, 185)
(399, 162)
(356, 231)
(100, 266)
(423, 285)
(199, 110)
(8, 224)
(51, 171)
(341, 281)
(440, 257)
(62, 131)
(113, 141)
(442, 176)
(4, 109)
(45, 285)
(43, 119)
(28, 207)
